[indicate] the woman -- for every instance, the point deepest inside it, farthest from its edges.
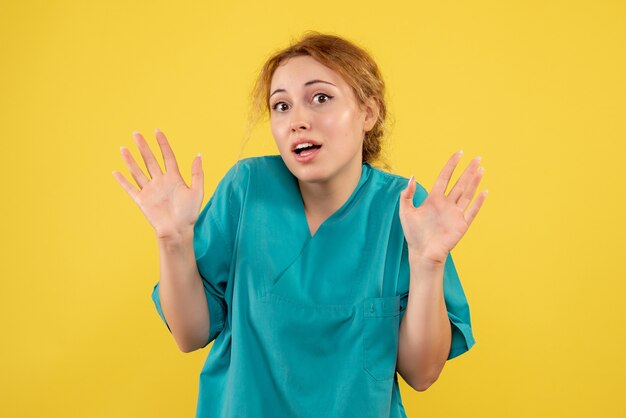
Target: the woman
(317, 275)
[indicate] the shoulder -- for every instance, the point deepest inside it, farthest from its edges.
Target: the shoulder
(241, 172)
(394, 184)
(255, 166)
(261, 161)
(264, 176)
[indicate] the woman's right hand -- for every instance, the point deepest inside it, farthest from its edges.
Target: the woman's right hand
(170, 206)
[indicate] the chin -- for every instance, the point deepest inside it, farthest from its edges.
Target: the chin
(309, 174)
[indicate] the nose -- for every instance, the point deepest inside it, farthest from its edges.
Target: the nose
(299, 119)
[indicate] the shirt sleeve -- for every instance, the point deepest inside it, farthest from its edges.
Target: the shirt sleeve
(213, 243)
(454, 296)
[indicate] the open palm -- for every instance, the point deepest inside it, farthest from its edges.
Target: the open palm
(169, 205)
(434, 228)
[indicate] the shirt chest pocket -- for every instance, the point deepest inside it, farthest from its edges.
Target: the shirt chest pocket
(381, 325)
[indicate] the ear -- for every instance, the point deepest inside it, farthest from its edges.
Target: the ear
(372, 110)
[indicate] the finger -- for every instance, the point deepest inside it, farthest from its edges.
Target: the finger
(406, 196)
(148, 157)
(197, 175)
(166, 151)
(441, 184)
(133, 167)
(475, 208)
(468, 194)
(462, 184)
(130, 189)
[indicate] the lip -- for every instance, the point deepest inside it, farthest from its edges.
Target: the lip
(302, 141)
(309, 157)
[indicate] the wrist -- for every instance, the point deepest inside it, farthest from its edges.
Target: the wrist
(175, 237)
(426, 272)
(426, 259)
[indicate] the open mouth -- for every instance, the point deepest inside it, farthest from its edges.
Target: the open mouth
(306, 150)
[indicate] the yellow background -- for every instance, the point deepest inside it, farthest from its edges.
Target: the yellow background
(537, 88)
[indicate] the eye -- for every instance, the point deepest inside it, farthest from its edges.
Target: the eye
(326, 96)
(280, 106)
(277, 104)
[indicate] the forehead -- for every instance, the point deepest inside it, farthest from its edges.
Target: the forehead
(296, 71)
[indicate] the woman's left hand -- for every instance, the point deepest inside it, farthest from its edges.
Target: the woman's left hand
(434, 228)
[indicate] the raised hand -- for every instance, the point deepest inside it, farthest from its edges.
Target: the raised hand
(434, 228)
(169, 205)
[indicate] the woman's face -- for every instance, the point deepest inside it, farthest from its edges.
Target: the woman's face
(309, 102)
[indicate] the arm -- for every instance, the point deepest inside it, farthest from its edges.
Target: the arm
(425, 333)
(181, 292)
(172, 209)
(432, 230)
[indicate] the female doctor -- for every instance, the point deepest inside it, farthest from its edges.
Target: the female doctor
(317, 275)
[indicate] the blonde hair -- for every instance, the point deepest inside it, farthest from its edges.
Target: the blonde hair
(353, 63)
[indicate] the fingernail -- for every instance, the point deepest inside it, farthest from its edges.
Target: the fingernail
(135, 133)
(200, 154)
(156, 130)
(410, 180)
(478, 158)
(460, 151)
(121, 147)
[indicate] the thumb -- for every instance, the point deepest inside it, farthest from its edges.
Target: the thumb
(406, 196)
(197, 175)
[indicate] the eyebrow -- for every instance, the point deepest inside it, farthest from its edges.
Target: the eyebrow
(308, 83)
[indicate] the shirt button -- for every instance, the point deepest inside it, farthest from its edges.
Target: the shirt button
(372, 307)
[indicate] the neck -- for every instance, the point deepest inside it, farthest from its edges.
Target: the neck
(322, 199)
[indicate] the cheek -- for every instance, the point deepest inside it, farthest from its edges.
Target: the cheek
(338, 122)
(343, 125)
(277, 132)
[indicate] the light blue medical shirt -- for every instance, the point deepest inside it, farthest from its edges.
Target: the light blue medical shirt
(306, 326)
